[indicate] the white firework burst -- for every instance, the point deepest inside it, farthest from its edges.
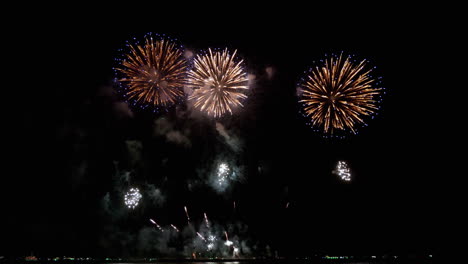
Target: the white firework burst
(219, 82)
(343, 171)
(223, 173)
(132, 198)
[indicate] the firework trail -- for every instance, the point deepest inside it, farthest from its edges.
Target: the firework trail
(218, 82)
(186, 213)
(132, 198)
(156, 224)
(228, 242)
(287, 205)
(153, 73)
(175, 228)
(201, 236)
(206, 220)
(338, 94)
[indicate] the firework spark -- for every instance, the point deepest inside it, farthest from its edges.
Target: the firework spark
(223, 173)
(199, 235)
(206, 220)
(342, 170)
(228, 242)
(337, 95)
(235, 252)
(153, 73)
(210, 246)
(175, 228)
(132, 198)
(218, 82)
(211, 242)
(186, 213)
(156, 224)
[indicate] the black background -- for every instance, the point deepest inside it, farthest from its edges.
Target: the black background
(60, 119)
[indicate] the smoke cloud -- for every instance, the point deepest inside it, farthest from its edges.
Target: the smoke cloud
(155, 195)
(201, 237)
(134, 148)
(232, 141)
(163, 127)
(120, 109)
(270, 71)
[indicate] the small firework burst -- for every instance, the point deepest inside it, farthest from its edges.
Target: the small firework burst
(211, 242)
(218, 82)
(223, 173)
(132, 198)
(228, 242)
(343, 171)
(338, 93)
(235, 252)
(210, 246)
(153, 73)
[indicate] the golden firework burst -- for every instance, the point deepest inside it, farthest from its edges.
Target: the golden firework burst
(338, 94)
(218, 82)
(153, 73)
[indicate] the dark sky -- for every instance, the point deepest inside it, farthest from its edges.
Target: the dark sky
(68, 132)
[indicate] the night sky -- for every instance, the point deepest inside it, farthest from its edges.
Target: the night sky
(71, 130)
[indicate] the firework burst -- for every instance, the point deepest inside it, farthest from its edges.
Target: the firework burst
(228, 242)
(132, 198)
(218, 82)
(223, 173)
(153, 73)
(342, 170)
(338, 94)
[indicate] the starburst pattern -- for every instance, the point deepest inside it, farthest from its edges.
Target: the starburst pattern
(153, 73)
(132, 198)
(338, 94)
(218, 82)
